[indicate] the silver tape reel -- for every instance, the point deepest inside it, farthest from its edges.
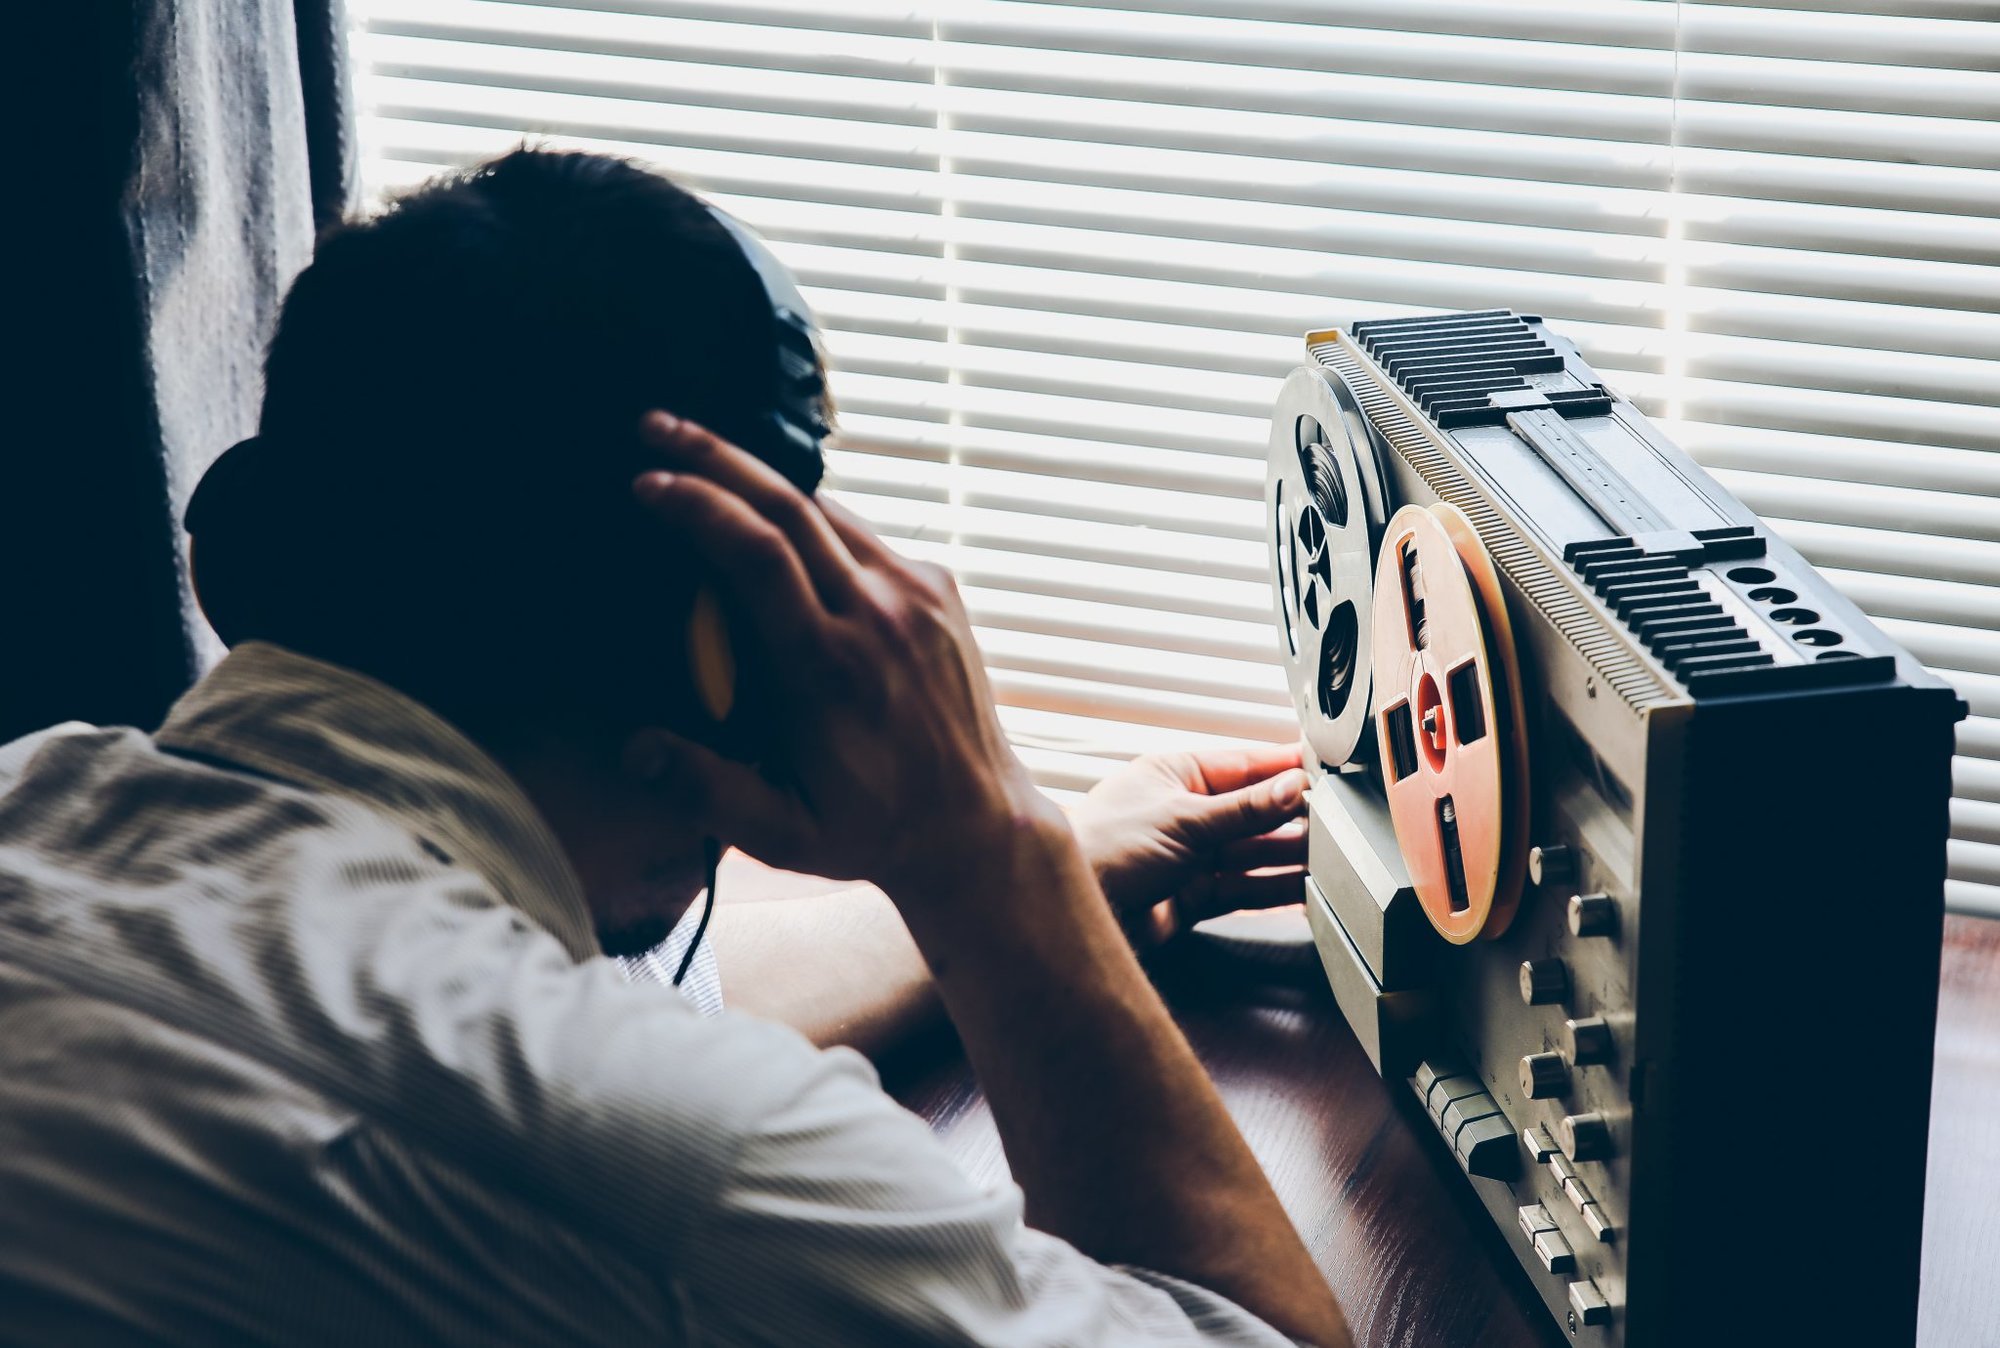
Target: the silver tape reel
(1325, 507)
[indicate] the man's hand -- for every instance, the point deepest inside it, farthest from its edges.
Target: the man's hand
(1177, 838)
(1172, 839)
(868, 659)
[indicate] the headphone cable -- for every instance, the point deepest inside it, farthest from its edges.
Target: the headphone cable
(711, 855)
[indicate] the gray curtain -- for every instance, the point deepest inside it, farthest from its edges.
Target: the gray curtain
(212, 136)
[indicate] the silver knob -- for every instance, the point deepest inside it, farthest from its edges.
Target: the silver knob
(1593, 915)
(1544, 981)
(1544, 1076)
(1587, 1041)
(1584, 1137)
(1551, 865)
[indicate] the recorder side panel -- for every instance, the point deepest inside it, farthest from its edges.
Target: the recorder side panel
(1787, 999)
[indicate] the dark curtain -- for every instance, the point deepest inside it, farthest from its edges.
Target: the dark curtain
(183, 153)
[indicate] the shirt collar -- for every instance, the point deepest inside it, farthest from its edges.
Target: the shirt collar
(327, 728)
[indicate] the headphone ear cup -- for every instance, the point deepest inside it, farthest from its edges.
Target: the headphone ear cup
(711, 656)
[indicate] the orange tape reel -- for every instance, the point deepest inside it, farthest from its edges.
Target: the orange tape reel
(1448, 722)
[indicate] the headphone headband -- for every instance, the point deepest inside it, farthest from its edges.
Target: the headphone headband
(797, 421)
(790, 437)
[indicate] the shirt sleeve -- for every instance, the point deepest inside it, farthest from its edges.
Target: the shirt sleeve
(841, 1220)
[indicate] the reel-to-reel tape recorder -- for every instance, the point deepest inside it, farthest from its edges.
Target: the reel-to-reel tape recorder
(1626, 839)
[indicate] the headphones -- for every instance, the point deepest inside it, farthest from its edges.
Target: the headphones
(790, 437)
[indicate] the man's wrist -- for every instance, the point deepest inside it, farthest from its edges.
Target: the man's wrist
(1027, 834)
(1017, 866)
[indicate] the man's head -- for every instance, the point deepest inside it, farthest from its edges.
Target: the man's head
(439, 492)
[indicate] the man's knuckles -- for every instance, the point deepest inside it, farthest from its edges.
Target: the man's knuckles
(791, 512)
(762, 545)
(934, 582)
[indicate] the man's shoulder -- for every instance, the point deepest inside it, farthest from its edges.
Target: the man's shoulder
(19, 756)
(311, 933)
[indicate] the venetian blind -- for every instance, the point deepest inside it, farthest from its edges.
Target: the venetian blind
(1063, 254)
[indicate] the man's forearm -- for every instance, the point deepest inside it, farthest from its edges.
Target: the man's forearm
(1112, 1129)
(838, 967)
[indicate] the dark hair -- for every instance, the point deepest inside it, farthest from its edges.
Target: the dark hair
(439, 495)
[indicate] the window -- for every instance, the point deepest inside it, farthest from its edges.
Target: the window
(1064, 254)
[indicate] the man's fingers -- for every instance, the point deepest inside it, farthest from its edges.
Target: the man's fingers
(730, 800)
(1285, 846)
(753, 561)
(861, 541)
(689, 447)
(1232, 769)
(1215, 821)
(1213, 895)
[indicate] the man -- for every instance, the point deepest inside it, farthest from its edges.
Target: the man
(304, 1030)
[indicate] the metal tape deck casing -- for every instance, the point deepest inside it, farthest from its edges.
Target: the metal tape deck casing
(1667, 989)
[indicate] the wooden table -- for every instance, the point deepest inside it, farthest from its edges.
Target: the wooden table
(1393, 1223)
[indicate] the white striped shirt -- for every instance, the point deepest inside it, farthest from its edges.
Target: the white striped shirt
(703, 984)
(305, 1038)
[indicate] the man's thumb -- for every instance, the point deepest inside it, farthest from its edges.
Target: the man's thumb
(1251, 810)
(728, 800)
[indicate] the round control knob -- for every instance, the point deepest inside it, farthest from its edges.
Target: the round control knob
(1551, 865)
(1544, 1076)
(1584, 1137)
(1543, 981)
(1587, 1041)
(1593, 915)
